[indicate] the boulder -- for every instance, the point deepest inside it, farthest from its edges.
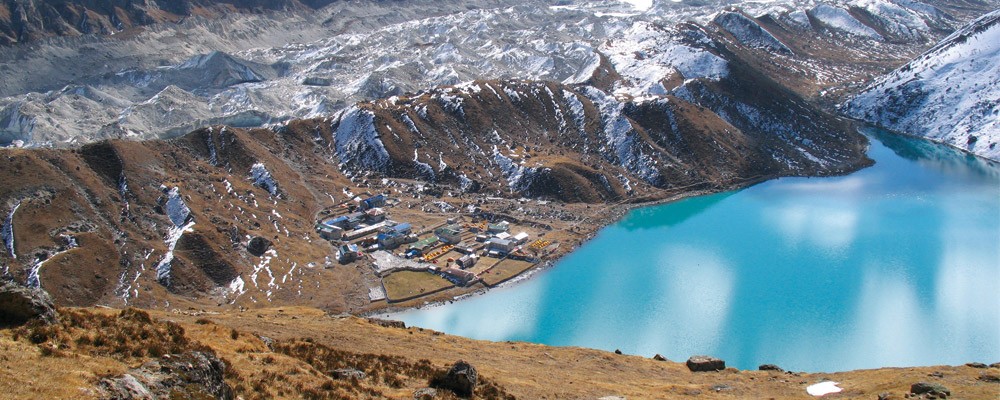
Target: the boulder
(21, 304)
(659, 358)
(192, 375)
(258, 246)
(705, 364)
(347, 373)
(975, 365)
(425, 394)
(995, 365)
(770, 367)
(461, 379)
(935, 389)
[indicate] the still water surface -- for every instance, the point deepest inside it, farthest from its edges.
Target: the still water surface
(895, 265)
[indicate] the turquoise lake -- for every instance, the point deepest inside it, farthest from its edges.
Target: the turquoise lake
(894, 265)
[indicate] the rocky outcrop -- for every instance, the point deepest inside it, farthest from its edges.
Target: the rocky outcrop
(347, 373)
(770, 367)
(461, 379)
(191, 375)
(991, 377)
(258, 246)
(20, 305)
(387, 323)
(930, 390)
(705, 364)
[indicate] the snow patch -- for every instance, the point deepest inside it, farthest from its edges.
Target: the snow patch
(177, 210)
(164, 266)
(622, 144)
(823, 388)
(424, 168)
(357, 143)
(749, 32)
(262, 178)
(7, 231)
(842, 20)
(518, 177)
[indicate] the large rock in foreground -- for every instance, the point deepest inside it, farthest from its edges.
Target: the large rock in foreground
(192, 375)
(705, 364)
(20, 304)
(461, 379)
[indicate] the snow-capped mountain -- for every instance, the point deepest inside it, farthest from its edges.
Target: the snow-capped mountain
(253, 70)
(950, 94)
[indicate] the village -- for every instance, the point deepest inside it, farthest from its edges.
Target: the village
(415, 254)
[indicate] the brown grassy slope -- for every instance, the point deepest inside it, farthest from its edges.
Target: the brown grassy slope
(532, 371)
(66, 360)
(308, 344)
(76, 193)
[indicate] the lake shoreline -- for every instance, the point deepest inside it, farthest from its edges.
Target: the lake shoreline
(616, 212)
(907, 166)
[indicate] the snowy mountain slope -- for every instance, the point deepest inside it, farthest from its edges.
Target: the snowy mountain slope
(247, 70)
(950, 94)
(173, 220)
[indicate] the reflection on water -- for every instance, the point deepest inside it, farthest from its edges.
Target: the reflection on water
(894, 265)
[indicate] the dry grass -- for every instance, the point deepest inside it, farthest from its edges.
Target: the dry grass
(531, 371)
(67, 359)
(130, 335)
(403, 284)
(506, 269)
(308, 344)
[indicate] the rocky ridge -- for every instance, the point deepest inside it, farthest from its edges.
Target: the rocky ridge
(949, 94)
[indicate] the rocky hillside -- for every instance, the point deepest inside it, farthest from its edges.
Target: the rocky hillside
(949, 94)
(251, 70)
(161, 223)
